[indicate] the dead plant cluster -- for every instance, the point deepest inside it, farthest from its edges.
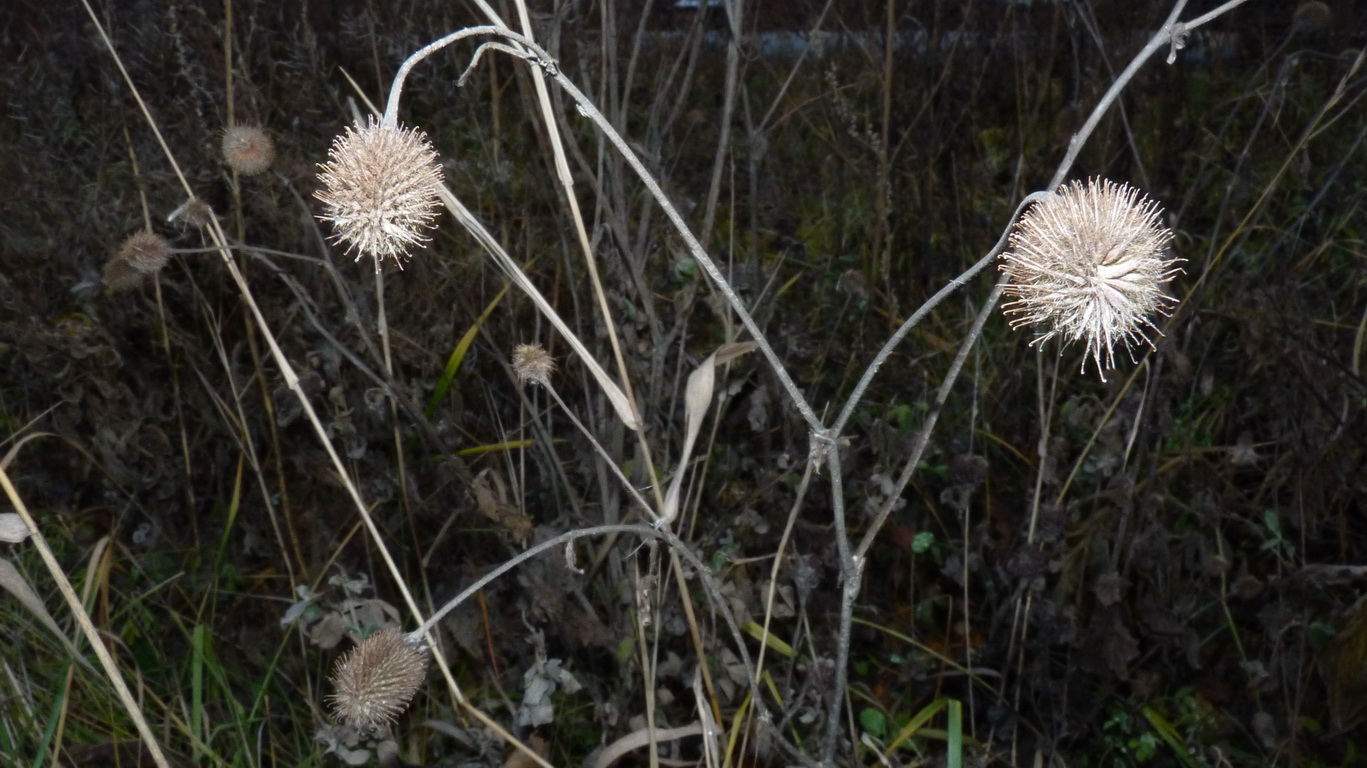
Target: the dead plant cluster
(690, 431)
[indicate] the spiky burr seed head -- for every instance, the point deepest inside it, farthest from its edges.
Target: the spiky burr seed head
(375, 681)
(380, 190)
(248, 149)
(143, 253)
(531, 362)
(1089, 264)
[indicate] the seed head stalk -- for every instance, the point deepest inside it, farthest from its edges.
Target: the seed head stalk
(391, 109)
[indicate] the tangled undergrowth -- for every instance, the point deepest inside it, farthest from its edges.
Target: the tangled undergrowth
(1161, 568)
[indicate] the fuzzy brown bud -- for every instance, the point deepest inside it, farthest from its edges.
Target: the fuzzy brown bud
(380, 190)
(143, 253)
(248, 149)
(375, 681)
(532, 363)
(1090, 264)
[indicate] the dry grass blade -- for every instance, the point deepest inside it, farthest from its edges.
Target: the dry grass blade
(12, 581)
(87, 626)
(625, 410)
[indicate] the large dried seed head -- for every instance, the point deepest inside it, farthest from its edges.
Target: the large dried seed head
(375, 681)
(380, 190)
(1089, 264)
(248, 149)
(531, 362)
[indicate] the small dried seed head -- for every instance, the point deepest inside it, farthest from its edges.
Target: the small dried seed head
(146, 251)
(194, 212)
(380, 190)
(376, 680)
(1312, 16)
(532, 363)
(1089, 264)
(248, 149)
(143, 253)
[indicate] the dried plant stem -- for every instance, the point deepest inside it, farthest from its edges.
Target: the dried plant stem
(852, 567)
(734, 11)
(588, 109)
(644, 532)
(1171, 34)
(220, 240)
(625, 410)
(602, 452)
(566, 179)
(637, 739)
(895, 340)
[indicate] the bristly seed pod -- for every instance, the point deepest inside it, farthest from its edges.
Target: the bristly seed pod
(375, 681)
(1089, 264)
(380, 190)
(532, 363)
(248, 149)
(143, 253)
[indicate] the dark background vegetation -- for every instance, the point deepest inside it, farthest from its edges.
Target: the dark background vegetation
(1170, 559)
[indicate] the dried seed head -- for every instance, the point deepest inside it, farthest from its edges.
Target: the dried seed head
(532, 363)
(377, 679)
(146, 251)
(248, 149)
(1089, 264)
(194, 212)
(380, 190)
(1312, 16)
(143, 253)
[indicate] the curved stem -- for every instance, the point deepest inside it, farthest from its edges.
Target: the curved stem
(587, 108)
(676, 544)
(919, 314)
(1164, 36)
(391, 107)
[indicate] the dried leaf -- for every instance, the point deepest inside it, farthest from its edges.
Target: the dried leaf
(328, 631)
(12, 528)
(519, 759)
(1344, 668)
(541, 681)
(728, 352)
(1109, 646)
(697, 397)
(492, 505)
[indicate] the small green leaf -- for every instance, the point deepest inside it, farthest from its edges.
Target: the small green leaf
(685, 270)
(873, 722)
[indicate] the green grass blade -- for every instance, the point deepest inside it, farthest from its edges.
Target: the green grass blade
(1170, 735)
(955, 758)
(914, 725)
(776, 645)
(197, 686)
(458, 356)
